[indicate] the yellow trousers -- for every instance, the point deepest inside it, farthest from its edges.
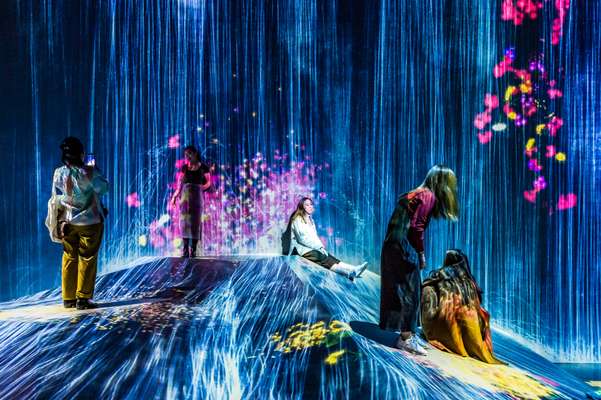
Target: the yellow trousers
(80, 258)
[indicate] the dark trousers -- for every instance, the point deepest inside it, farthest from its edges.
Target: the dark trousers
(187, 243)
(400, 287)
(319, 258)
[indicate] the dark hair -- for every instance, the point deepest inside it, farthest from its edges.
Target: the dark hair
(441, 180)
(72, 150)
(456, 257)
(194, 150)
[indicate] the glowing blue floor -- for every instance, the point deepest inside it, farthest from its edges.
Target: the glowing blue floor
(241, 328)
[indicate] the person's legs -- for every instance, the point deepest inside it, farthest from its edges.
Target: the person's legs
(411, 344)
(195, 207)
(186, 248)
(354, 270)
(318, 257)
(69, 265)
(90, 238)
(409, 293)
(390, 275)
(409, 290)
(193, 248)
(400, 295)
(332, 263)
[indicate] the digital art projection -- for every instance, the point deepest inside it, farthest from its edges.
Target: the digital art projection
(530, 96)
(247, 209)
(349, 103)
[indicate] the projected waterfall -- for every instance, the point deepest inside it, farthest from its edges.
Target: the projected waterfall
(349, 104)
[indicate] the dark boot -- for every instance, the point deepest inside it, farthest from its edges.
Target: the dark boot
(186, 252)
(193, 249)
(85, 304)
(69, 303)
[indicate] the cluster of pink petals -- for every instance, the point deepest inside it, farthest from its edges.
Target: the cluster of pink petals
(133, 200)
(562, 7)
(516, 12)
(484, 118)
(550, 151)
(554, 124)
(566, 201)
(173, 142)
(503, 67)
(539, 184)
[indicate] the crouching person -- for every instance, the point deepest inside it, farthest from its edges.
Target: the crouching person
(452, 316)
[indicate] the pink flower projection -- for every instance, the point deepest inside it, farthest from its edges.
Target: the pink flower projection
(173, 142)
(484, 137)
(528, 101)
(133, 200)
(517, 11)
(247, 208)
(562, 7)
(566, 201)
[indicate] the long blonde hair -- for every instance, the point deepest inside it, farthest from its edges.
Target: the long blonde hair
(441, 180)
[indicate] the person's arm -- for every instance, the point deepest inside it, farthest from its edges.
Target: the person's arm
(58, 190)
(58, 187)
(207, 184)
(304, 237)
(423, 206)
(99, 183)
(178, 187)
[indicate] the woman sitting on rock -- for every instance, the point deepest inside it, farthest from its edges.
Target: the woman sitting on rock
(306, 243)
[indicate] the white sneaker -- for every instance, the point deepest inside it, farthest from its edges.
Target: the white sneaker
(344, 269)
(411, 345)
(359, 269)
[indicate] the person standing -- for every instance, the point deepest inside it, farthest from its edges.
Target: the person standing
(193, 181)
(80, 222)
(403, 252)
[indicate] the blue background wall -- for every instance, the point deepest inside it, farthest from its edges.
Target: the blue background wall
(379, 90)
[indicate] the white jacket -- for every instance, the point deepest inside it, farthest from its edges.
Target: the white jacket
(304, 236)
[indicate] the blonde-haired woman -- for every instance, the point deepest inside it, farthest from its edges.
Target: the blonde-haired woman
(306, 243)
(403, 252)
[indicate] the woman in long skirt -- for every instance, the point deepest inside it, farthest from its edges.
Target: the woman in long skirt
(193, 180)
(403, 252)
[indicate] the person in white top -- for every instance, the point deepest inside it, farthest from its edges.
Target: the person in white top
(305, 242)
(77, 221)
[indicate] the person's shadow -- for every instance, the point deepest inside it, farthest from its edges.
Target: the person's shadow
(373, 332)
(130, 302)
